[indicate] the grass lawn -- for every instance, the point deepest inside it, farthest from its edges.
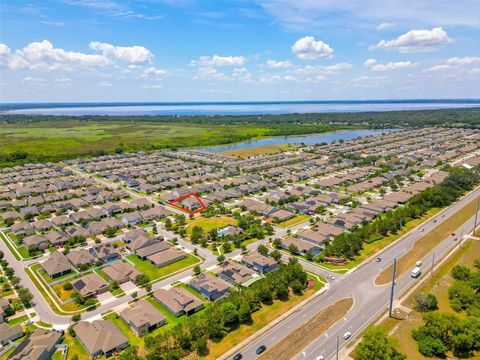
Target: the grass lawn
(18, 320)
(155, 273)
(75, 347)
(438, 285)
(57, 355)
(43, 324)
(208, 224)
(428, 242)
(261, 318)
(259, 150)
(10, 247)
(294, 221)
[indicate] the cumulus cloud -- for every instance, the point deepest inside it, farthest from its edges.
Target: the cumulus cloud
(323, 69)
(373, 65)
(455, 64)
(44, 56)
(416, 41)
(242, 74)
(386, 26)
(308, 48)
(218, 61)
(274, 64)
(131, 54)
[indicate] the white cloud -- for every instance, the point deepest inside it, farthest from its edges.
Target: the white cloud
(416, 41)
(217, 61)
(323, 69)
(242, 74)
(105, 84)
(152, 71)
(63, 80)
(153, 86)
(30, 79)
(307, 48)
(373, 65)
(131, 54)
(455, 64)
(43, 56)
(386, 26)
(274, 64)
(463, 61)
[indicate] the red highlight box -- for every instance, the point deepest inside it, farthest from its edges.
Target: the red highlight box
(181, 198)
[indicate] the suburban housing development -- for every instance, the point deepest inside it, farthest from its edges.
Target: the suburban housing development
(111, 257)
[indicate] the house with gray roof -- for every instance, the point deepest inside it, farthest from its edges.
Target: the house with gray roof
(38, 345)
(211, 287)
(100, 337)
(10, 333)
(80, 257)
(90, 285)
(57, 265)
(178, 301)
(143, 317)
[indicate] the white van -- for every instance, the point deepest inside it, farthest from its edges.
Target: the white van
(418, 263)
(416, 272)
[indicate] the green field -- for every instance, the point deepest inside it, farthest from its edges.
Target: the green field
(155, 273)
(208, 224)
(55, 140)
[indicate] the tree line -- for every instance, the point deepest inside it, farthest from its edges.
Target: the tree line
(349, 244)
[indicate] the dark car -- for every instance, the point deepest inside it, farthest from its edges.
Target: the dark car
(261, 349)
(238, 357)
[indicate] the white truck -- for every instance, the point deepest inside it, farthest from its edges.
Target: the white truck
(416, 272)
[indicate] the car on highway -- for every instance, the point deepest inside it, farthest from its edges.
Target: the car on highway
(422, 230)
(238, 356)
(418, 263)
(453, 234)
(378, 259)
(331, 277)
(416, 272)
(347, 335)
(320, 357)
(261, 349)
(434, 221)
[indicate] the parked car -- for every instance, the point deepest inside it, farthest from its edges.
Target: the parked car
(261, 349)
(347, 335)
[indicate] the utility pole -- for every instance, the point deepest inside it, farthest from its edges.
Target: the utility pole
(433, 263)
(461, 237)
(390, 310)
(338, 341)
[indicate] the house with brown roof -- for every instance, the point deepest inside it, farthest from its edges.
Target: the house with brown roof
(154, 213)
(260, 263)
(57, 265)
(141, 242)
(166, 257)
(121, 272)
(235, 273)
(42, 225)
(100, 337)
(178, 301)
(90, 285)
(80, 257)
(312, 236)
(211, 287)
(56, 237)
(22, 229)
(38, 345)
(10, 333)
(143, 317)
(105, 252)
(36, 242)
(144, 252)
(302, 247)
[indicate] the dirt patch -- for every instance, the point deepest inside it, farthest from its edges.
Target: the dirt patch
(289, 346)
(427, 243)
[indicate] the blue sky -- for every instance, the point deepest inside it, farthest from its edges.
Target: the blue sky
(187, 50)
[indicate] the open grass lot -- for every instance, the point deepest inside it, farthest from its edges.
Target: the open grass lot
(155, 273)
(260, 318)
(297, 340)
(208, 224)
(258, 151)
(426, 243)
(438, 285)
(294, 221)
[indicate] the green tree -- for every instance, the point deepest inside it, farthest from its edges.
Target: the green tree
(461, 272)
(276, 255)
(196, 270)
(131, 353)
(229, 313)
(375, 345)
(244, 312)
(262, 249)
(425, 302)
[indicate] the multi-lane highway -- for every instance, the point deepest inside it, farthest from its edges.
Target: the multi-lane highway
(370, 300)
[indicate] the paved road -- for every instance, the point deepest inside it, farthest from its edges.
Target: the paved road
(370, 300)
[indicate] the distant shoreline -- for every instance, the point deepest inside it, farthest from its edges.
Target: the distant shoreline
(230, 108)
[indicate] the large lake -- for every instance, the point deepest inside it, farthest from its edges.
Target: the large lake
(240, 108)
(307, 139)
